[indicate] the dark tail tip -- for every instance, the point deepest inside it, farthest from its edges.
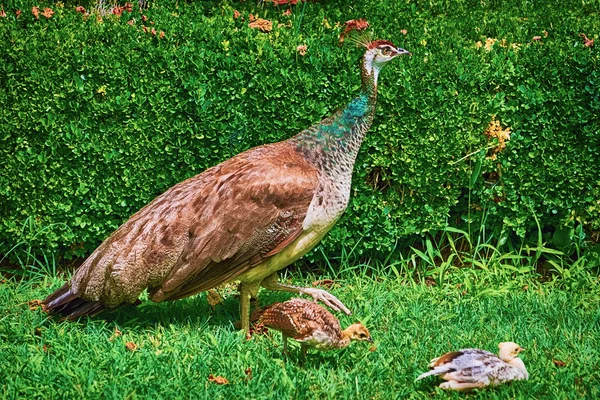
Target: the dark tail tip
(69, 305)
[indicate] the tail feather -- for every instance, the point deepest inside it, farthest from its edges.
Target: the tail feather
(436, 371)
(63, 301)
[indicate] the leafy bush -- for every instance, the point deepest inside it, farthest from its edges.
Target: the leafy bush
(100, 115)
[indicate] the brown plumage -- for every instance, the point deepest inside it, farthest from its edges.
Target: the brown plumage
(242, 220)
(310, 324)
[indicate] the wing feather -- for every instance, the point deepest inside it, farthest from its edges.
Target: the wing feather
(204, 231)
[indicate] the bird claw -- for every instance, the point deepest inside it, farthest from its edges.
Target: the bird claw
(326, 298)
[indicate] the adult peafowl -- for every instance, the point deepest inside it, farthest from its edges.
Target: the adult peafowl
(242, 220)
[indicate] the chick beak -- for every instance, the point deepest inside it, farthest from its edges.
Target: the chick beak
(521, 349)
(370, 340)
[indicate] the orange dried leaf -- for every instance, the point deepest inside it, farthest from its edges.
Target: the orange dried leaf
(248, 373)
(353, 25)
(302, 49)
(35, 10)
(489, 43)
(403, 31)
(219, 380)
(287, 12)
(18, 13)
(131, 346)
(536, 38)
(48, 13)
(80, 9)
(2, 13)
(587, 42)
(494, 130)
(236, 14)
(262, 25)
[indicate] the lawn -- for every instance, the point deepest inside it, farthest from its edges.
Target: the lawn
(171, 350)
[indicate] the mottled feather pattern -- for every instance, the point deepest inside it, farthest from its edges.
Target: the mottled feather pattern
(302, 320)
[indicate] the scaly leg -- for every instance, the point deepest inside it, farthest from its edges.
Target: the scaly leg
(247, 290)
(461, 386)
(272, 283)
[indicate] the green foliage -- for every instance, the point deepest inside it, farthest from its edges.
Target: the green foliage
(99, 117)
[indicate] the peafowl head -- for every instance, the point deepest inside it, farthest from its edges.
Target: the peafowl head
(509, 351)
(378, 53)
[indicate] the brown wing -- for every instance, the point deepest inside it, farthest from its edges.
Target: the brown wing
(204, 231)
(300, 319)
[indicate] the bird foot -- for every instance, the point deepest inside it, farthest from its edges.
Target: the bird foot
(326, 298)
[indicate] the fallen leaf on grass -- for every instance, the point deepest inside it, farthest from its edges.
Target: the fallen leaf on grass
(353, 25)
(559, 363)
(248, 373)
(35, 10)
(262, 25)
(372, 348)
(34, 304)
(2, 13)
(236, 14)
(219, 380)
(131, 346)
(45, 348)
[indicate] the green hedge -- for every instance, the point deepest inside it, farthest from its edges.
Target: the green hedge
(97, 118)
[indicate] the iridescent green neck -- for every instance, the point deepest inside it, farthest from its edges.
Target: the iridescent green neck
(337, 138)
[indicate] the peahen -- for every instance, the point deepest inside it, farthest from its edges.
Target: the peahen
(242, 220)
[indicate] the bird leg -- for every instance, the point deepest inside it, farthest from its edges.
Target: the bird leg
(247, 291)
(272, 283)
(461, 386)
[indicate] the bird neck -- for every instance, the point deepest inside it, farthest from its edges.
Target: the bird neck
(344, 339)
(333, 144)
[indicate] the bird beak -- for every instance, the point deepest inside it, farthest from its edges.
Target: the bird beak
(370, 340)
(401, 52)
(521, 349)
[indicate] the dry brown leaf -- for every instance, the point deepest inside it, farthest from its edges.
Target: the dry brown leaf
(34, 304)
(287, 12)
(587, 42)
(45, 348)
(2, 13)
(131, 346)
(18, 13)
(80, 9)
(248, 373)
(372, 348)
(236, 14)
(213, 297)
(353, 25)
(494, 130)
(219, 380)
(403, 31)
(536, 38)
(35, 10)
(262, 25)
(282, 2)
(559, 363)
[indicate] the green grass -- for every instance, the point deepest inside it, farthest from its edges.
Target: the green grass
(180, 344)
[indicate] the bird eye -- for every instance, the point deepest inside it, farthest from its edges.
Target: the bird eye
(386, 51)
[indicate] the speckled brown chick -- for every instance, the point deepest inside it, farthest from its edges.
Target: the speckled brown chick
(310, 324)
